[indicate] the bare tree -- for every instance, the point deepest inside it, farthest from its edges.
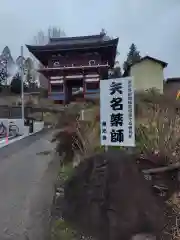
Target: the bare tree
(43, 38)
(30, 76)
(54, 32)
(40, 38)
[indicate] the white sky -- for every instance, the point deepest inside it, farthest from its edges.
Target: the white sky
(153, 25)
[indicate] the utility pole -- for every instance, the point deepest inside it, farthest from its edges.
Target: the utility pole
(22, 83)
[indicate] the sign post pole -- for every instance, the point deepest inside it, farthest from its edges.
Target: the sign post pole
(106, 148)
(22, 84)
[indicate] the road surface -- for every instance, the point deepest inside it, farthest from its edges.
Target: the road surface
(26, 188)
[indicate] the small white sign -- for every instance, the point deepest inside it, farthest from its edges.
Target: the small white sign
(4, 128)
(117, 112)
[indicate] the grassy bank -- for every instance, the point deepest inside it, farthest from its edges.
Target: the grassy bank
(157, 140)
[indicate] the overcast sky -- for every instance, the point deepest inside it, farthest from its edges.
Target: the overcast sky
(153, 25)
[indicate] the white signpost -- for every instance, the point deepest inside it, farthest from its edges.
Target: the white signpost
(117, 112)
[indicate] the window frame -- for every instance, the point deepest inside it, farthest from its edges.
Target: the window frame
(59, 84)
(93, 89)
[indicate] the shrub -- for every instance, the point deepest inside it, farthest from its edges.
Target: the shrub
(61, 230)
(16, 84)
(43, 93)
(76, 136)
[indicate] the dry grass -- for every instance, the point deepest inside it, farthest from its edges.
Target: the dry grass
(158, 129)
(157, 134)
(174, 223)
(76, 137)
(158, 137)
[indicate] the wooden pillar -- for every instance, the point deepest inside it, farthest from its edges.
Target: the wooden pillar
(84, 85)
(49, 85)
(65, 90)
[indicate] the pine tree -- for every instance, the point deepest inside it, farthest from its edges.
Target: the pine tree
(133, 56)
(16, 84)
(30, 79)
(116, 73)
(3, 76)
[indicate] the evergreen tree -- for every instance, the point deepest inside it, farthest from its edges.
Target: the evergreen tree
(30, 76)
(16, 84)
(133, 56)
(3, 76)
(116, 71)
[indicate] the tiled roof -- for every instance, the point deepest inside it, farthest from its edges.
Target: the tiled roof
(164, 64)
(75, 42)
(78, 40)
(172, 80)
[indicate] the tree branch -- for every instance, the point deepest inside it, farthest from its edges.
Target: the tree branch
(162, 169)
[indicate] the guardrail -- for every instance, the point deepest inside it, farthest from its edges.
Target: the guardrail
(14, 112)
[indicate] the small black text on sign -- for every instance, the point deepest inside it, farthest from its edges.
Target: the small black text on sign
(104, 131)
(130, 108)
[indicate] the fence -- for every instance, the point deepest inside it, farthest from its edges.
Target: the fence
(15, 112)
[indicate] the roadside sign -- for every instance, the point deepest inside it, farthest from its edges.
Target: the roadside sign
(117, 112)
(4, 128)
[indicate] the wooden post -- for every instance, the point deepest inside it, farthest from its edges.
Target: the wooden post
(65, 89)
(84, 92)
(82, 114)
(49, 85)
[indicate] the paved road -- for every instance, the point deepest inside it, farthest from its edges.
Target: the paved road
(26, 187)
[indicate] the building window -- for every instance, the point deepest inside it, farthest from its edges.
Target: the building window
(92, 86)
(57, 88)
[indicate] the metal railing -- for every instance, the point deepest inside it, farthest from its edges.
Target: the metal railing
(15, 112)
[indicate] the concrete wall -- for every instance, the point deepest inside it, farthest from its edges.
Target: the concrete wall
(22, 130)
(147, 74)
(38, 126)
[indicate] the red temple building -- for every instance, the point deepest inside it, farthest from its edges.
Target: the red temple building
(72, 63)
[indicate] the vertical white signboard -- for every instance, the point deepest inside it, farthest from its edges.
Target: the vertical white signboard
(117, 112)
